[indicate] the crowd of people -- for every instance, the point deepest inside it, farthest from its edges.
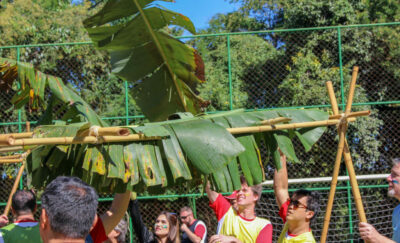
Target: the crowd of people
(69, 214)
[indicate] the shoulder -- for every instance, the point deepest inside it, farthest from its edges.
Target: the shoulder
(262, 221)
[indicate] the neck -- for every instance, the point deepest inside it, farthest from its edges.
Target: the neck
(27, 216)
(298, 228)
(51, 237)
(247, 212)
(162, 240)
(191, 222)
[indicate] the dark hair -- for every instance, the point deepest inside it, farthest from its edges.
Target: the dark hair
(312, 200)
(24, 201)
(122, 228)
(71, 206)
(173, 234)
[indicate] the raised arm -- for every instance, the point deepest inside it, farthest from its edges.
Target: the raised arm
(281, 182)
(142, 232)
(118, 208)
(212, 195)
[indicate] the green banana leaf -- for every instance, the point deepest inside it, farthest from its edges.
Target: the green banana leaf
(188, 148)
(143, 54)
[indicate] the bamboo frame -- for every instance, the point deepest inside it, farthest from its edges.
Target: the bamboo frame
(343, 149)
(140, 137)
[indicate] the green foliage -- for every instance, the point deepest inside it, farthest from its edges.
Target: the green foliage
(143, 54)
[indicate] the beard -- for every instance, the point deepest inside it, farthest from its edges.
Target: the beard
(391, 193)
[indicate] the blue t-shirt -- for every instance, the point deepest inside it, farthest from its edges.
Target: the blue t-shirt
(396, 224)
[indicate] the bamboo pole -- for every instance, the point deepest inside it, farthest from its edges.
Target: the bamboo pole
(275, 121)
(351, 114)
(14, 189)
(141, 137)
(11, 149)
(343, 148)
(7, 139)
(22, 135)
(17, 156)
(10, 161)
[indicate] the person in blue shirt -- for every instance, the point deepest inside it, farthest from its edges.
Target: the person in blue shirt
(368, 232)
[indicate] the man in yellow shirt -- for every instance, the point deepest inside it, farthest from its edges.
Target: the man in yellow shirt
(297, 212)
(241, 225)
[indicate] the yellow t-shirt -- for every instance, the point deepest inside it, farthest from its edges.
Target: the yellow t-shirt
(302, 238)
(231, 224)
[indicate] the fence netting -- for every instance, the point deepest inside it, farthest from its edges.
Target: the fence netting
(275, 69)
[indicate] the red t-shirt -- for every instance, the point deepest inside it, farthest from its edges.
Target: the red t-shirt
(200, 229)
(283, 210)
(98, 233)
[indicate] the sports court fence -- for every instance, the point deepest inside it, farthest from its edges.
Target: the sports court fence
(258, 70)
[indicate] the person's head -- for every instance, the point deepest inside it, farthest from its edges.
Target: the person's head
(303, 207)
(186, 215)
(118, 234)
(167, 225)
(248, 196)
(68, 209)
(23, 203)
(394, 179)
(233, 200)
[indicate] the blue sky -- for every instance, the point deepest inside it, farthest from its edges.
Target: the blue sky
(200, 11)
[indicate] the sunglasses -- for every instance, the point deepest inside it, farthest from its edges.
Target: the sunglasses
(394, 181)
(184, 217)
(296, 204)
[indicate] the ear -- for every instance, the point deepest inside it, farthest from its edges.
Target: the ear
(44, 219)
(309, 215)
(94, 221)
(255, 197)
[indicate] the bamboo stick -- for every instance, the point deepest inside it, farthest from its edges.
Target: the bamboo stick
(6, 139)
(16, 156)
(332, 98)
(267, 128)
(10, 161)
(14, 189)
(275, 121)
(351, 90)
(11, 149)
(110, 131)
(351, 114)
(141, 137)
(22, 135)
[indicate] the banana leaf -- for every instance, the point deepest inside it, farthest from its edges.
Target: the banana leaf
(188, 146)
(143, 54)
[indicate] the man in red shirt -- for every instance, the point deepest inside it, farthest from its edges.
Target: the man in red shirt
(193, 230)
(241, 225)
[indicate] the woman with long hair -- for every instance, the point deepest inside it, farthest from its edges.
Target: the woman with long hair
(166, 227)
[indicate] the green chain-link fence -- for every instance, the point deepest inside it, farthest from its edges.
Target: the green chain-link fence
(258, 70)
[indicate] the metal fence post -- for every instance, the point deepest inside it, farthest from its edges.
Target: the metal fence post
(126, 103)
(228, 40)
(21, 182)
(341, 67)
(194, 207)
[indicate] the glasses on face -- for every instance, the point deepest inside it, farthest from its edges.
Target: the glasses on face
(297, 204)
(184, 217)
(394, 181)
